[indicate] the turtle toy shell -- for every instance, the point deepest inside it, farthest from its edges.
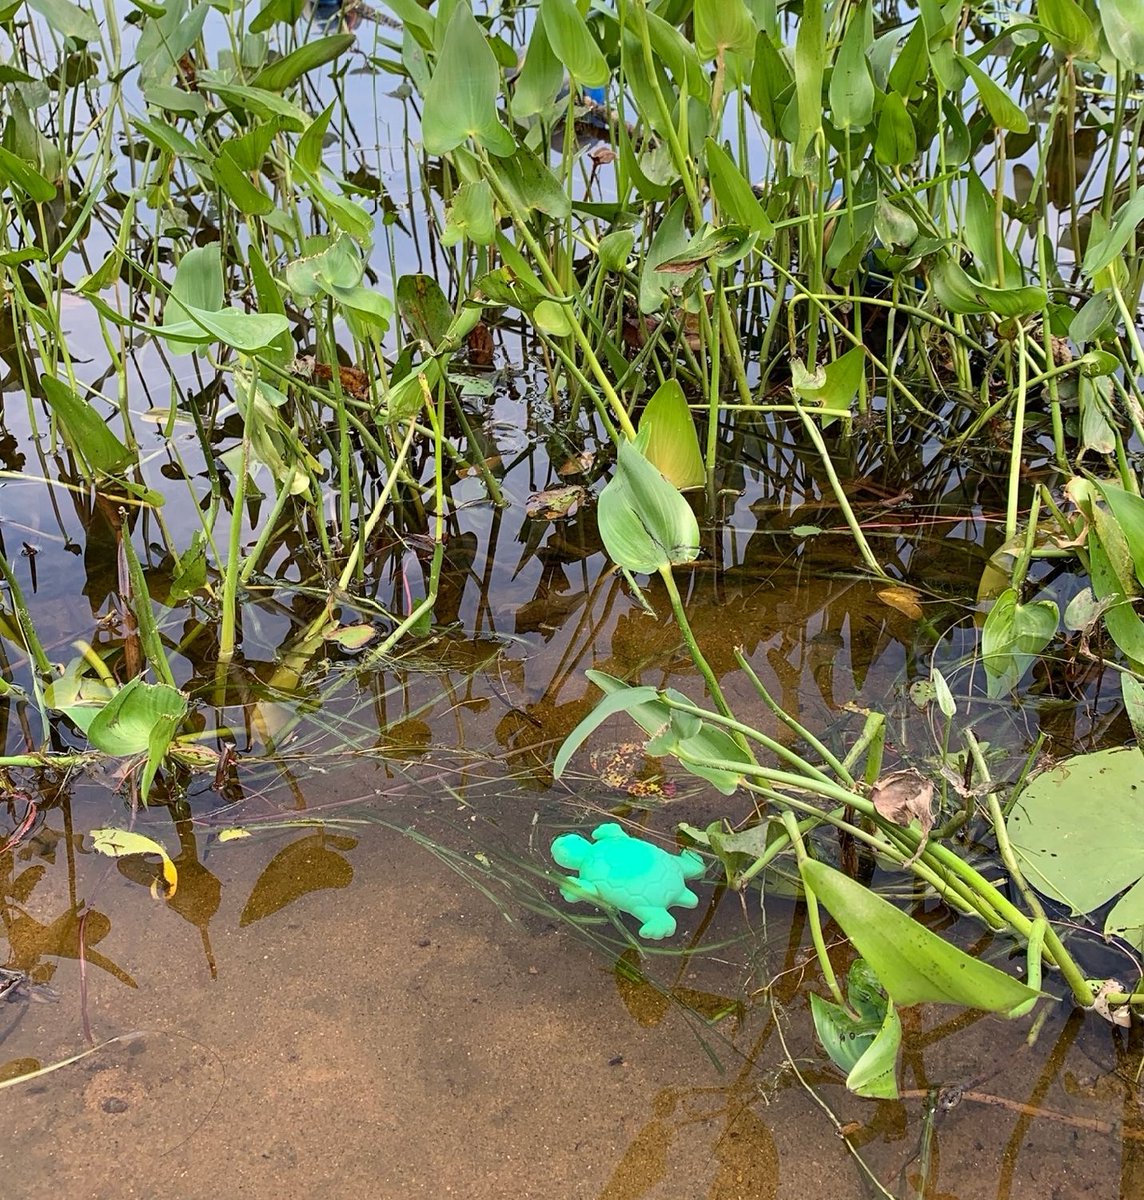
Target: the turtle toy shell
(629, 874)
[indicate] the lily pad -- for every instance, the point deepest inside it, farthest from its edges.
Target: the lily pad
(1078, 831)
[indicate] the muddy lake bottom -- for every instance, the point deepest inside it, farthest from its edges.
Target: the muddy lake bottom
(393, 1035)
(367, 983)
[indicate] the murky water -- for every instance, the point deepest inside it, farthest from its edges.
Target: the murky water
(366, 983)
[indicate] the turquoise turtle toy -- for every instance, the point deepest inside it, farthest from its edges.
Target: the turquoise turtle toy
(629, 874)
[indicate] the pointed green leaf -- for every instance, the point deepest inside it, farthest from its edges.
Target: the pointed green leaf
(672, 444)
(85, 431)
(644, 521)
(461, 99)
(280, 74)
(573, 44)
(914, 965)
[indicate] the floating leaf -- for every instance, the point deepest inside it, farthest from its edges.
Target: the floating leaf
(1078, 831)
(119, 843)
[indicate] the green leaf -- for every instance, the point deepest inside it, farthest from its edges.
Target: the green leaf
(190, 573)
(1128, 509)
(198, 283)
(125, 723)
(672, 445)
(533, 186)
(164, 40)
(243, 331)
(833, 387)
(851, 87)
(1013, 636)
(273, 11)
(734, 195)
(875, 1073)
(615, 249)
(1069, 28)
(176, 100)
(258, 102)
(85, 431)
(722, 26)
(243, 192)
(540, 77)
(461, 99)
(310, 144)
(23, 175)
(423, 308)
(961, 293)
(998, 103)
(67, 19)
(914, 965)
(618, 701)
(809, 68)
(695, 746)
(1078, 832)
(1132, 693)
(1102, 251)
(572, 42)
(279, 75)
(771, 81)
(1124, 29)
(895, 142)
(644, 521)
(1120, 619)
(669, 240)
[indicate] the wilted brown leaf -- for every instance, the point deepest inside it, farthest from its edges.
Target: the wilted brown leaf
(903, 796)
(904, 599)
(480, 345)
(554, 503)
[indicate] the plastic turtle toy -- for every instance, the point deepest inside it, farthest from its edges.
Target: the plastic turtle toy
(629, 874)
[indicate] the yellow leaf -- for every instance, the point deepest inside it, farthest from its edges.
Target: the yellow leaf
(119, 843)
(232, 835)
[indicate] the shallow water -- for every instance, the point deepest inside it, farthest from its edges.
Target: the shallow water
(366, 981)
(380, 988)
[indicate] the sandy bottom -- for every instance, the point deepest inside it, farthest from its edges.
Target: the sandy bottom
(399, 1038)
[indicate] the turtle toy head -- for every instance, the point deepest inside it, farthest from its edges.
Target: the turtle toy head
(571, 850)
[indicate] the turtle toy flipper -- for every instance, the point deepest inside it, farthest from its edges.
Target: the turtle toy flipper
(630, 874)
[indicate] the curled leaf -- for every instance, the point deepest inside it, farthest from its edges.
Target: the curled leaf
(119, 843)
(905, 796)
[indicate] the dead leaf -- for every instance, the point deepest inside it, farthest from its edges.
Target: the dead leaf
(904, 796)
(577, 464)
(480, 345)
(1100, 1006)
(904, 599)
(557, 502)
